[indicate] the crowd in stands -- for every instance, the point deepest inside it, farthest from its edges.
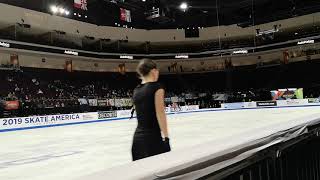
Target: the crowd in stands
(41, 92)
(56, 91)
(44, 91)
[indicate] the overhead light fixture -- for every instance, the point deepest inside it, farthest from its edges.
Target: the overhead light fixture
(184, 6)
(54, 9)
(4, 44)
(306, 42)
(71, 52)
(240, 52)
(61, 10)
(143, 0)
(182, 56)
(261, 33)
(126, 57)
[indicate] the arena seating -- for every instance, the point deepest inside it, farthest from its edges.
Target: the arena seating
(44, 91)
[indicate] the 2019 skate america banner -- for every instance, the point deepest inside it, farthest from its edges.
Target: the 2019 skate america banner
(34, 121)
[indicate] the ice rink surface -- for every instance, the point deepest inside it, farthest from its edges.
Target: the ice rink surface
(69, 152)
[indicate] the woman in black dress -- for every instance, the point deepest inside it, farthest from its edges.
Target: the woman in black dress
(151, 136)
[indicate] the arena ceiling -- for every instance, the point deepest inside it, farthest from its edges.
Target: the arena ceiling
(201, 13)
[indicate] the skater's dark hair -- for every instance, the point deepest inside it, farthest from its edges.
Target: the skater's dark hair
(145, 66)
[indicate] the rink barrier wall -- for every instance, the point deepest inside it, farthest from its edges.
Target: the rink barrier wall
(277, 103)
(36, 122)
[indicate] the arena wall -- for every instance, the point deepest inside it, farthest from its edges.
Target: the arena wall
(57, 61)
(35, 60)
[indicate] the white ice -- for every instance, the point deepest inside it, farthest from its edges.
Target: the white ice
(69, 152)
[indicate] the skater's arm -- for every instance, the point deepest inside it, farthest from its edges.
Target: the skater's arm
(160, 111)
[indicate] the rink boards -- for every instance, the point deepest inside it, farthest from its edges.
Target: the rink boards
(34, 122)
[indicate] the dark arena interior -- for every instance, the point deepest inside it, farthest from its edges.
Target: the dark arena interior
(240, 78)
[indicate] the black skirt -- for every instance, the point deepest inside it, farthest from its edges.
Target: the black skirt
(146, 144)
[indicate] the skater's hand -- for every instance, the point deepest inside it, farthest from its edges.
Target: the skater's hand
(166, 143)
